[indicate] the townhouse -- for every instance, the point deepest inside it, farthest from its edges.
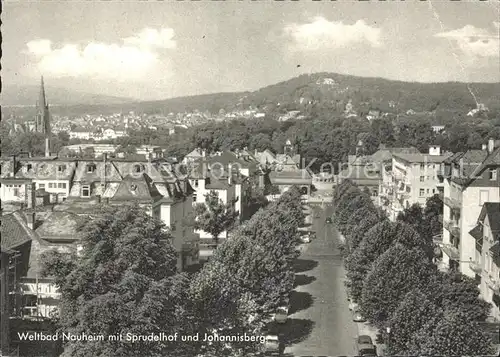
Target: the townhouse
(150, 183)
(414, 178)
(229, 175)
(284, 170)
(486, 262)
(51, 174)
(470, 180)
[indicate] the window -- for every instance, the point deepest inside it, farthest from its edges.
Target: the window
(493, 174)
(422, 178)
(483, 197)
(422, 192)
(86, 191)
(422, 166)
(138, 168)
(29, 167)
(374, 193)
(195, 183)
(51, 185)
(90, 168)
(433, 190)
(428, 191)
(41, 185)
(61, 185)
(133, 187)
(61, 168)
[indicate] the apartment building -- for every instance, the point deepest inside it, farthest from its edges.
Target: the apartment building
(226, 173)
(470, 180)
(51, 174)
(486, 262)
(414, 178)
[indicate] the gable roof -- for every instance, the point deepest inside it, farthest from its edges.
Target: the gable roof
(136, 188)
(13, 233)
(46, 169)
(492, 211)
(60, 226)
(387, 153)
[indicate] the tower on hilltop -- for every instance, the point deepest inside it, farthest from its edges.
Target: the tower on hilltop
(42, 119)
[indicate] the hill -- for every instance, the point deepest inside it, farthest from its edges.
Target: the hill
(319, 93)
(20, 96)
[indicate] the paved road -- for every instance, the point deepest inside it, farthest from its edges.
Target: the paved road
(323, 324)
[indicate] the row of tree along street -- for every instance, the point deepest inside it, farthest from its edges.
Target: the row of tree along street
(125, 281)
(392, 275)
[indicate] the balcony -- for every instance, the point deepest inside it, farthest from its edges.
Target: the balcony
(453, 203)
(451, 251)
(452, 227)
(475, 267)
(492, 282)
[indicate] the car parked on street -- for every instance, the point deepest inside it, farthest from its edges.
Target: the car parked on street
(357, 316)
(329, 220)
(305, 238)
(366, 350)
(281, 314)
(272, 345)
(364, 340)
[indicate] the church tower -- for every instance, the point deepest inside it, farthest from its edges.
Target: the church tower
(42, 120)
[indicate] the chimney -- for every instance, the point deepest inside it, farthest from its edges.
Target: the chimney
(47, 147)
(13, 162)
(30, 218)
(30, 195)
(435, 150)
(255, 153)
(229, 174)
(103, 174)
(491, 145)
(484, 147)
(150, 157)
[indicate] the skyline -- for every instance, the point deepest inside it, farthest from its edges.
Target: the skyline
(151, 52)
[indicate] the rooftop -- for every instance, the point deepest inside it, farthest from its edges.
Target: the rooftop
(418, 158)
(13, 232)
(60, 226)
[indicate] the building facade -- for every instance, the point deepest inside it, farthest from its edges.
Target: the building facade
(413, 179)
(470, 180)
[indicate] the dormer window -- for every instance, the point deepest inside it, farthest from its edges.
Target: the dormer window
(86, 191)
(29, 167)
(61, 168)
(133, 187)
(90, 168)
(138, 169)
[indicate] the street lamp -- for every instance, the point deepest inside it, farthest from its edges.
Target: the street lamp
(388, 330)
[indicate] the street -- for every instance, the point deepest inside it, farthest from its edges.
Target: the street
(320, 322)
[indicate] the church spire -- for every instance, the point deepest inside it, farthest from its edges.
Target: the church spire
(42, 104)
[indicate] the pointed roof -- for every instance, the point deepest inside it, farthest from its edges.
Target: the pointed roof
(42, 102)
(138, 188)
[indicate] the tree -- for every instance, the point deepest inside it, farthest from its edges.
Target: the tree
(214, 216)
(412, 215)
(346, 212)
(376, 241)
(124, 282)
(395, 273)
(369, 220)
(453, 335)
(414, 311)
(455, 291)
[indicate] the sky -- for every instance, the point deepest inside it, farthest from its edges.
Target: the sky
(156, 50)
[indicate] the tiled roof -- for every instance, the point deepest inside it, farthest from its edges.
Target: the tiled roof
(217, 185)
(416, 158)
(386, 154)
(296, 174)
(46, 170)
(492, 210)
(13, 233)
(60, 226)
(495, 249)
(82, 174)
(136, 188)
